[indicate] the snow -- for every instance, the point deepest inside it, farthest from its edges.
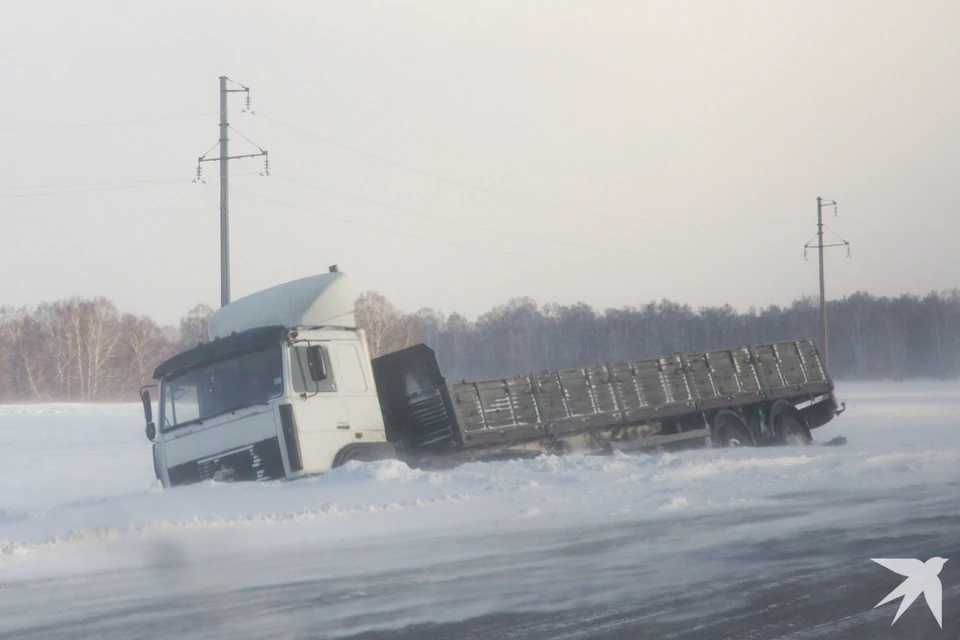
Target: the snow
(78, 495)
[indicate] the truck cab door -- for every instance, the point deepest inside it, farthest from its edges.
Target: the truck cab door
(356, 385)
(323, 416)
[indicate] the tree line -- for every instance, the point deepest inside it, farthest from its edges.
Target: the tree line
(869, 337)
(87, 350)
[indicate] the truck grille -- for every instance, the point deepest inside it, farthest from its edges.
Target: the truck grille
(259, 461)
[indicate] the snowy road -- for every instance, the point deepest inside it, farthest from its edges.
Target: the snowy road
(587, 582)
(771, 543)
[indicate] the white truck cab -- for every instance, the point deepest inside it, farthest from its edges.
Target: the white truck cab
(284, 388)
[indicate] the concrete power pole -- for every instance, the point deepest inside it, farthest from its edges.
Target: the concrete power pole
(821, 203)
(823, 298)
(224, 159)
(225, 204)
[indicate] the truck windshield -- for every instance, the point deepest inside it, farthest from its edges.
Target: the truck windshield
(222, 386)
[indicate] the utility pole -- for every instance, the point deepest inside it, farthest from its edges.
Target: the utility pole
(224, 159)
(821, 203)
(225, 204)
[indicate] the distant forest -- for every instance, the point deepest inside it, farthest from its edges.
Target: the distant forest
(87, 350)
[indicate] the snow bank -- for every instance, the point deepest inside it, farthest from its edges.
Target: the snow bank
(77, 488)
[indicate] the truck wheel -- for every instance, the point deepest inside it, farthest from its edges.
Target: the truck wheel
(790, 432)
(730, 430)
(365, 452)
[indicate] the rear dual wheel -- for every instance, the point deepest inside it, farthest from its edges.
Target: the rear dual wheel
(790, 431)
(731, 431)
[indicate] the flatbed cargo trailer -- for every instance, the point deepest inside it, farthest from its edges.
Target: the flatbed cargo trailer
(619, 405)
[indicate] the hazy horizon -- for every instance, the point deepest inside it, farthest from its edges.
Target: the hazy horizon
(686, 141)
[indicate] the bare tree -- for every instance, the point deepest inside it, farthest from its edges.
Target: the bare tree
(146, 346)
(25, 358)
(379, 319)
(7, 391)
(102, 342)
(195, 326)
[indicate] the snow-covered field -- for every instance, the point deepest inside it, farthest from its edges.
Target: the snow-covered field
(78, 497)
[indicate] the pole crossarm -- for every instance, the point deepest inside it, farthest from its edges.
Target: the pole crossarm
(249, 155)
(826, 246)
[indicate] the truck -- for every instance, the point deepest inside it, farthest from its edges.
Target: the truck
(286, 388)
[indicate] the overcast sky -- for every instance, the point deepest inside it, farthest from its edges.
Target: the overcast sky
(652, 150)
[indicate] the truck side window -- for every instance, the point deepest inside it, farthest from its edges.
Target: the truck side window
(351, 371)
(182, 404)
(310, 370)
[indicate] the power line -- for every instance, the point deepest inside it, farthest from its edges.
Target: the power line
(675, 263)
(80, 187)
(116, 187)
(74, 185)
(435, 176)
(466, 225)
(103, 124)
(431, 240)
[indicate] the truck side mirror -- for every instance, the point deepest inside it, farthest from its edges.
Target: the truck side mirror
(148, 414)
(147, 405)
(316, 363)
